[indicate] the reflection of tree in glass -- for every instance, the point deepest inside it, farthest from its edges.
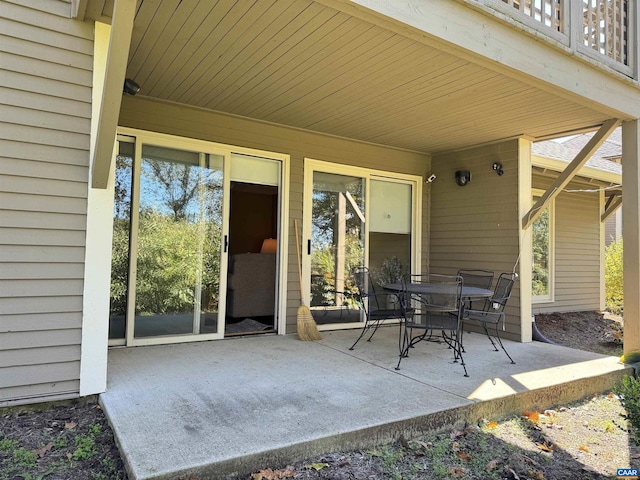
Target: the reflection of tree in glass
(179, 237)
(540, 273)
(325, 219)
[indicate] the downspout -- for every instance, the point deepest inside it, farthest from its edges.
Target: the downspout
(536, 334)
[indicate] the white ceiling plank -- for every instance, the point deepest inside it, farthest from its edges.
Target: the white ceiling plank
(213, 69)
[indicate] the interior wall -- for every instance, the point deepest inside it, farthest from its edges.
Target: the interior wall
(176, 119)
(253, 217)
(476, 226)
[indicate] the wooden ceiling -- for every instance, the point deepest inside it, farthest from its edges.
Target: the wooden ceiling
(300, 63)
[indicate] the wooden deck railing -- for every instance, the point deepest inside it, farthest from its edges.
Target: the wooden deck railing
(601, 29)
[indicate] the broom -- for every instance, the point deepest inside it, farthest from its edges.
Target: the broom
(307, 328)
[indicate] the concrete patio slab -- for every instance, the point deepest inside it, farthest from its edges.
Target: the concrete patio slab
(223, 408)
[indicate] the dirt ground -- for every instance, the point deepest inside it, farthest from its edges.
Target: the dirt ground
(587, 440)
(591, 331)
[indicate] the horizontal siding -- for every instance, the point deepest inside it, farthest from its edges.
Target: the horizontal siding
(39, 321)
(25, 357)
(476, 226)
(174, 119)
(43, 391)
(577, 249)
(45, 106)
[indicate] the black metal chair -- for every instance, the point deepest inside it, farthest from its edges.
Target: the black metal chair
(434, 304)
(476, 278)
(493, 312)
(374, 304)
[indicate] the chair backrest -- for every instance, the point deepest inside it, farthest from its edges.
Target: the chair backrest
(434, 292)
(366, 294)
(476, 278)
(502, 292)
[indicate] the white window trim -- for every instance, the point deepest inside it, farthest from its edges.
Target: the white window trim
(550, 298)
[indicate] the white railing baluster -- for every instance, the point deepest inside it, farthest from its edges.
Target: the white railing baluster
(604, 25)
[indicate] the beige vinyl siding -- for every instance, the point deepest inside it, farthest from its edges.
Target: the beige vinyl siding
(45, 107)
(182, 120)
(577, 249)
(476, 226)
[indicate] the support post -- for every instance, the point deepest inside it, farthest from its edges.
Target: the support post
(631, 221)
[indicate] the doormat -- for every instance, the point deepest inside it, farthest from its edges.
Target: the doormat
(246, 326)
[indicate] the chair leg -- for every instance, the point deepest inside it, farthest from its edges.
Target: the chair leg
(366, 327)
(502, 346)
(486, 331)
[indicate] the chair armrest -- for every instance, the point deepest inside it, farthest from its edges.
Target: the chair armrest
(486, 317)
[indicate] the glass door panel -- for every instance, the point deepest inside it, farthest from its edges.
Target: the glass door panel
(121, 241)
(178, 243)
(390, 235)
(337, 245)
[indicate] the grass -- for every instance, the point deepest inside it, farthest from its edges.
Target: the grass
(60, 442)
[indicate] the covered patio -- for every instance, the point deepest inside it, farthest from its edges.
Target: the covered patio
(217, 409)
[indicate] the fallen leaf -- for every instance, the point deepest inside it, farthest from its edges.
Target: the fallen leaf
(536, 475)
(492, 424)
(464, 456)
(611, 395)
(635, 455)
(456, 472)
(583, 448)
(270, 474)
(316, 466)
(492, 465)
(41, 452)
(69, 456)
(457, 434)
(543, 447)
(455, 446)
(533, 416)
(425, 445)
(97, 407)
(70, 425)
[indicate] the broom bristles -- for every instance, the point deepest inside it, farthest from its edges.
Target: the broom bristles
(307, 328)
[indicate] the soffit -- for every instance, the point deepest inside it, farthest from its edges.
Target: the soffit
(299, 63)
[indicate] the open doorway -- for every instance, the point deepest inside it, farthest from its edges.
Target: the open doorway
(252, 275)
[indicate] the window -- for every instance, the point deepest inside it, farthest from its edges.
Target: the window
(542, 255)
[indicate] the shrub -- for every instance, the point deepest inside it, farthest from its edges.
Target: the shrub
(629, 391)
(614, 295)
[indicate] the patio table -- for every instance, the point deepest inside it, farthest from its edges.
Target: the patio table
(469, 293)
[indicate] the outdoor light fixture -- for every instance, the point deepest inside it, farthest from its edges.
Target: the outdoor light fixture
(430, 178)
(498, 169)
(463, 177)
(130, 87)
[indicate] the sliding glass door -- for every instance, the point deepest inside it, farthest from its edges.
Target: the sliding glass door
(172, 244)
(355, 217)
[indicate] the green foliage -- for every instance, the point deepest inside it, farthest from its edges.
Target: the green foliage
(7, 445)
(323, 284)
(86, 444)
(391, 271)
(540, 272)
(179, 233)
(629, 391)
(613, 278)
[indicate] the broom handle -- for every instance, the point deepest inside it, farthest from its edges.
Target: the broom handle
(295, 222)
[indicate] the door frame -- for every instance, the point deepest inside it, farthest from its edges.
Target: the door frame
(310, 166)
(203, 146)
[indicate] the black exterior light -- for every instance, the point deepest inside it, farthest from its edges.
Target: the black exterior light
(498, 169)
(463, 177)
(130, 87)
